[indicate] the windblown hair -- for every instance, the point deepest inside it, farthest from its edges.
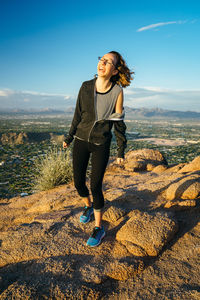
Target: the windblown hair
(123, 77)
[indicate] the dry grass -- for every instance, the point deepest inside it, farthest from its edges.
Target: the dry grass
(52, 169)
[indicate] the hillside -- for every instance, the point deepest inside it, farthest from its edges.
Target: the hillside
(152, 244)
(29, 137)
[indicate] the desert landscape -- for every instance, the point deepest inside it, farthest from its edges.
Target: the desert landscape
(150, 251)
(49, 52)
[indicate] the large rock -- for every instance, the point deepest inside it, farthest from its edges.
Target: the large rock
(175, 168)
(194, 165)
(144, 159)
(159, 169)
(180, 204)
(186, 188)
(145, 235)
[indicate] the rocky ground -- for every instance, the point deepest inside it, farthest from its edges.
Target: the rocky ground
(150, 251)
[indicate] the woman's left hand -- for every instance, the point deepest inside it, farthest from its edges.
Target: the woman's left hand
(120, 160)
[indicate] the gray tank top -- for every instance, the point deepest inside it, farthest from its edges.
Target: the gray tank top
(105, 102)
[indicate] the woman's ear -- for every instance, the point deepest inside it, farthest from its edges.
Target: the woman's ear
(115, 72)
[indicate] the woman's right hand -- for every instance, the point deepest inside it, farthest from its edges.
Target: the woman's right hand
(65, 145)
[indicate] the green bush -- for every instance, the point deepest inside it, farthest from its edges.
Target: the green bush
(52, 169)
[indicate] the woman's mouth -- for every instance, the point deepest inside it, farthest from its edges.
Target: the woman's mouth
(101, 69)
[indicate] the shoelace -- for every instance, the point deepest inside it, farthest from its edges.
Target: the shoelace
(86, 211)
(95, 231)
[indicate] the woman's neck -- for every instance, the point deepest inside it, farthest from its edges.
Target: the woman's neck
(103, 85)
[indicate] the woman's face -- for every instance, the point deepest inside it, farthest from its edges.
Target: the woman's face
(106, 66)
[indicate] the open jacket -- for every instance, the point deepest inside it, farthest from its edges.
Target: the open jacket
(85, 125)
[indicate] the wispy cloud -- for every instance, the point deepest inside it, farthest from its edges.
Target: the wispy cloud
(137, 97)
(151, 97)
(152, 26)
(5, 93)
(44, 94)
(11, 99)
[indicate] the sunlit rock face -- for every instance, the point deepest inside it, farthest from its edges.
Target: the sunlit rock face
(43, 250)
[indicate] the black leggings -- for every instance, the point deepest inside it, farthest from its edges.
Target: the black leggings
(99, 159)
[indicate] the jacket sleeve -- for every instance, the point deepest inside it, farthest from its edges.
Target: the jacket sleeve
(75, 121)
(119, 131)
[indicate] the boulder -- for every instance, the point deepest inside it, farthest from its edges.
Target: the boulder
(146, 154)
(186, 188)
(145, 234)
(194, 165)
(135, 166)
(159, 169)
(144, 159)
(175, 169)
(180, 204)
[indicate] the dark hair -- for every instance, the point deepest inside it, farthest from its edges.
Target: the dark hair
(123, 77)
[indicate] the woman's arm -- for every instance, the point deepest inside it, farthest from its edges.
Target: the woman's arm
(120, 128)
(119, 103)
(76, 120)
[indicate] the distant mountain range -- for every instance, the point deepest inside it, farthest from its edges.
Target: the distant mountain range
(131, 113)
(138, 113)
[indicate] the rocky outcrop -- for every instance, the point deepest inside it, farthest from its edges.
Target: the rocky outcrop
(14, 138)
(191, 167)
(187, 187)
(28, 137)
(43, 252)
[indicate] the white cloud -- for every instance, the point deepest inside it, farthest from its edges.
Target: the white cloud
(193, 21)
(151, 97)
(5, 93)
(34, 100)
(44, 94)
(152, 26)
(136, 97)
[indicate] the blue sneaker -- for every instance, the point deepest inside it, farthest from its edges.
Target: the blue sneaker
(85, 217)
(96, 237)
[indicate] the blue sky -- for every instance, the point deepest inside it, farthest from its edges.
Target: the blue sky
(49, 48)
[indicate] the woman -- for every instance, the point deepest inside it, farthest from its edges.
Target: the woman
(99, 106)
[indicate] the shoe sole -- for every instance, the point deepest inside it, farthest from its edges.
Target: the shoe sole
(99, 241)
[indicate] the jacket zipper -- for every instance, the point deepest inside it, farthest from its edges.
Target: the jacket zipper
(91, 131)
(95, 111)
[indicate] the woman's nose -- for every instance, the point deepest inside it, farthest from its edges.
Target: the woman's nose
(103, 61)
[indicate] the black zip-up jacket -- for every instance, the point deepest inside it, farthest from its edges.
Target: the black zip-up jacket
(85, 126)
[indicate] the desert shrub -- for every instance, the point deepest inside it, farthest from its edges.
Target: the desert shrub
(52, 169)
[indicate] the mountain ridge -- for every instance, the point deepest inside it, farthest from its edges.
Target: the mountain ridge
(137, 112)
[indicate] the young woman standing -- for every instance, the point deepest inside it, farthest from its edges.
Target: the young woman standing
(99, 106)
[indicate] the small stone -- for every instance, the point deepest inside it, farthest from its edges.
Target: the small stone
(24, 194)
(123, 271)
(112, 214)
